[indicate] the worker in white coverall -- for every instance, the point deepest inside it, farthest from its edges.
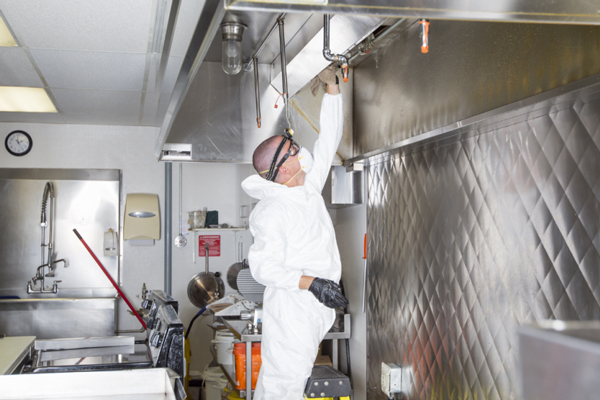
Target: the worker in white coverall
(295, 254)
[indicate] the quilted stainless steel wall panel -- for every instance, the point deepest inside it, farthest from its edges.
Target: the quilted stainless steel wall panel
(472, 237)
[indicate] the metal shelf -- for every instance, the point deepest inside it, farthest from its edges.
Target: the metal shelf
(238, 328)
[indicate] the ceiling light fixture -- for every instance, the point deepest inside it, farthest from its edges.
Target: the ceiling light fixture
(231, 50)
(6, 38)
(25, 99)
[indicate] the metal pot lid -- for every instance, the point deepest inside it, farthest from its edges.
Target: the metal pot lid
(205, 288)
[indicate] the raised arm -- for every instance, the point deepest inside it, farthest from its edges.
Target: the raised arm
(332, 119)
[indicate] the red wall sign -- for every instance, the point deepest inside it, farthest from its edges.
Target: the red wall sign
(214, 241)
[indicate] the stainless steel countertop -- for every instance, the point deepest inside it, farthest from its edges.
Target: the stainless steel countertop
(12, 351)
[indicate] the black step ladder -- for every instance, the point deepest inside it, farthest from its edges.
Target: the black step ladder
(325, 381)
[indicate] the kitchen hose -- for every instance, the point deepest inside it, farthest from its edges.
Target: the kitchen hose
(192, 321)
(188, 351)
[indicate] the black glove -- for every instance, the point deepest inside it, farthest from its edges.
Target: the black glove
(328, 292)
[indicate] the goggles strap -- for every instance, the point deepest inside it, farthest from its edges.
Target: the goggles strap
(273, 169)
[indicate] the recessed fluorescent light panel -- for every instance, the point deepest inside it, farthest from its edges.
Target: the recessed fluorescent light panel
(6, 38)
(25, 99)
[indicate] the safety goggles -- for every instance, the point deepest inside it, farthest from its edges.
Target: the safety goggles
(293, 149)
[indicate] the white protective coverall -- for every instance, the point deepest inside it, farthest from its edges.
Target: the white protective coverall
(294, 236)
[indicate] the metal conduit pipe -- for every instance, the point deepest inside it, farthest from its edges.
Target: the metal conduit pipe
(284, 81)
(168, 225)
(256, 90)
(250, 63)
(342, 60)
(380, 37)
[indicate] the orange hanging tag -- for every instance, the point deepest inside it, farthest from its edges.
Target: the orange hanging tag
(424, 35)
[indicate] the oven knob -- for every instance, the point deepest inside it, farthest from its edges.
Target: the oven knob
(147, 304)
(156, 339)
(150, 323)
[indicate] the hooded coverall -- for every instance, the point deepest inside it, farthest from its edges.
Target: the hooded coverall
(294, 236)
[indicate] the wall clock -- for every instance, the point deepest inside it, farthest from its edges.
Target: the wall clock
(18, 143)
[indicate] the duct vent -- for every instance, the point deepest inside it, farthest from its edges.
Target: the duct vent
(176, 152)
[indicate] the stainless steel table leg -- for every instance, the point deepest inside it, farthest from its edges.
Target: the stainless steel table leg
(334, 351)
(248, 370)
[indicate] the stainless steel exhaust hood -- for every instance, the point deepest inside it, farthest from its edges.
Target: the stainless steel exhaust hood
(214, 113)
(567, 11)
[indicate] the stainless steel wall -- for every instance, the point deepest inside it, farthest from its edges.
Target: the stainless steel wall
(218, 116)
(87, 200)
(472, 236)
(48, 318)
(471, 68)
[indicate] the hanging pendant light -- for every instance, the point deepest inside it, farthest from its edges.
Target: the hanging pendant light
(231, 51)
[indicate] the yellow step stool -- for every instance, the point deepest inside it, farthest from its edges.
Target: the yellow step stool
(327, 383)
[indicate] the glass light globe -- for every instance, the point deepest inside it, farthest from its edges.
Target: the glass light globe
(231, 52)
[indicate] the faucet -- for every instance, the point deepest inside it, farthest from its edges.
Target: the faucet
(47, 247)
(40, 276)
(42, 289)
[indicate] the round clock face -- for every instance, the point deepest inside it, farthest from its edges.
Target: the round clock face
(18, 143)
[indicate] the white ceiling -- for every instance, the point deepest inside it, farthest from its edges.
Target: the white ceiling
(94, 58)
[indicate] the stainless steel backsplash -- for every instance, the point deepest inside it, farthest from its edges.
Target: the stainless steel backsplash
(472, 236)
(87, 200)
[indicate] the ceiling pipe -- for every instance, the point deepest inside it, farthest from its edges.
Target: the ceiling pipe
(284, 81)
(256, 90)
(248, 66)
(168, 227)
(342, 60)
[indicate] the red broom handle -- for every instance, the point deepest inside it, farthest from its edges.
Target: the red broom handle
(111, 279)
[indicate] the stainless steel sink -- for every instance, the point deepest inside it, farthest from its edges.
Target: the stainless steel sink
(58, 317)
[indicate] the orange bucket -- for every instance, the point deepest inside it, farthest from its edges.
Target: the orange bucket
(239, 352)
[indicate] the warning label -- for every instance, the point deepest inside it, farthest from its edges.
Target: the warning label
(214, 243)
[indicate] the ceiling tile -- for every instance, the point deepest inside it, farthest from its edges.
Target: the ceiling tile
(105, 102)
(90, 70)
(16, 69)
(98, 25)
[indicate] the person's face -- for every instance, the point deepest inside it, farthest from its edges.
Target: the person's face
(293, 149)
(290, 173)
